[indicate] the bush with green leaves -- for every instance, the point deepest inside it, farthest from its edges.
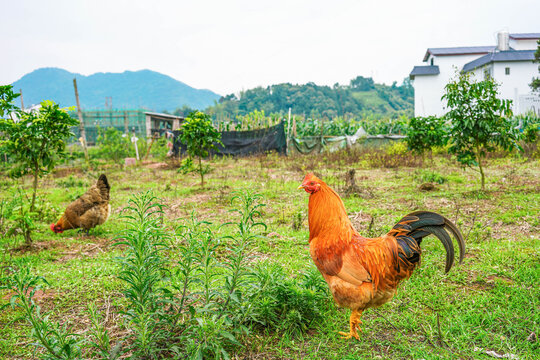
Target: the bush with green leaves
(34, 141)
(426, 175)
(113, 145)
(478, 121)
(535, 84)
(199, 136)
(287, 305)
(425, 133)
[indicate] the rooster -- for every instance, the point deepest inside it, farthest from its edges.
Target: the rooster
(88, 211)
(365, 272)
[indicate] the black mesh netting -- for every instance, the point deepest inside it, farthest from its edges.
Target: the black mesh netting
(240, 143)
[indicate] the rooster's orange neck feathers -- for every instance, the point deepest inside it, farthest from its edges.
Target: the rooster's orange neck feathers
(326, 212)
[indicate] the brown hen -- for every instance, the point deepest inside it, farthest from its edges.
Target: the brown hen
(88, 211)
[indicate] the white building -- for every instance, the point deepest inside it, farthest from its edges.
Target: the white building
(510, 63)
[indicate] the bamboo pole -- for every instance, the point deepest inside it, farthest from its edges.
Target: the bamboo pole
(81, 121)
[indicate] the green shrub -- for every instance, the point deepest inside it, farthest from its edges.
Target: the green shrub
(425, 133)
(199, 136)
(284, 304)
(71, 181)
(113, 145)
(397, 148)
(429, 176)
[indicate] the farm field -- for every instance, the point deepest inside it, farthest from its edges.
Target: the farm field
(489, 304)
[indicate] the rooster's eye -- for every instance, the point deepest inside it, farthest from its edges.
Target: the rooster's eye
(312, 183)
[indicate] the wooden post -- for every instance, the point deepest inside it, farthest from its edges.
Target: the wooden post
(289, 123)
(81, 121)
(148, 126)
(22, 102)
(294, 126)
(149, 148)
(288, 141)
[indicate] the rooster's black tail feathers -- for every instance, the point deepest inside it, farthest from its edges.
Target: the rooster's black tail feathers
(410, 231)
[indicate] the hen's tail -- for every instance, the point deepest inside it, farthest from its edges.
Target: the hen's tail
(410, 231)
(103, 186)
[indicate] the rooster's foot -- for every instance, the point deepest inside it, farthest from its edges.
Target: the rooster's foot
(348, 335)
(354, 324)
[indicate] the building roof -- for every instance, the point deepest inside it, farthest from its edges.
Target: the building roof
(163, 116)
(501, 56)
(525, 36)
(462, 50)
(424, 70)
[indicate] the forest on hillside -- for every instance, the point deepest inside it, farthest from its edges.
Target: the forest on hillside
(362, 97)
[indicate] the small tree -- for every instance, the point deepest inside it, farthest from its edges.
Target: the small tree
(478, 120)
(6, 101)
(199, 136)
(535, 85)
(426, 132)
(113, 144)
(35, 141)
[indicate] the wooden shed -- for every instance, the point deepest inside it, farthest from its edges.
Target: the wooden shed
(159, 123)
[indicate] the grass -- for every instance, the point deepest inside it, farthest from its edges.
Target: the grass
(489, 303)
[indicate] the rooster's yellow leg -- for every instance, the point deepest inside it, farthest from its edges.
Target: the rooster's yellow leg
(354, 324)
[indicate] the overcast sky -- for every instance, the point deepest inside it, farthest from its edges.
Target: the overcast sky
(230, 45)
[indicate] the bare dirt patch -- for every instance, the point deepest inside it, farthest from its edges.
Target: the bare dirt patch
(87, 250)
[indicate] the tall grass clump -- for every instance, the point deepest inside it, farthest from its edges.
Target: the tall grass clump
(287, 305)
(57, 341)
(214, 274)
(143, 269)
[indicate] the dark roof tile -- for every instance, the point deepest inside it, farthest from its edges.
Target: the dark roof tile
(424, 70)
(525, 36)
(462, 50)
(501, 56)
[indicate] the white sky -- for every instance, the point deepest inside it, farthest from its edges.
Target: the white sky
(230, 45)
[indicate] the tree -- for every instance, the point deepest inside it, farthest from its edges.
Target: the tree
(199, 136)
(424, 133)
(34, 141)
(7, 96)
(185, 110)
(478, 121)
(535, 85)
(113, 144)
(362, 84)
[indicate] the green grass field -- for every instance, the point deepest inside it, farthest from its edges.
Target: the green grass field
(489, 303)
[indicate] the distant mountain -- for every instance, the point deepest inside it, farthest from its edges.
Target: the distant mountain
(131, 89)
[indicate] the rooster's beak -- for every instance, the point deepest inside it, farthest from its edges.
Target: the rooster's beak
(301, 186)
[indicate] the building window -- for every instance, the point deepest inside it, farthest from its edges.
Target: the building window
(431, 61)
(507, 71)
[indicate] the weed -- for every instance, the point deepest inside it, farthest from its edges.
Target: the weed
(426, 175)
(56, 339)
(98, 337)
(142, 270)
(287, 305)
(70, 182)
